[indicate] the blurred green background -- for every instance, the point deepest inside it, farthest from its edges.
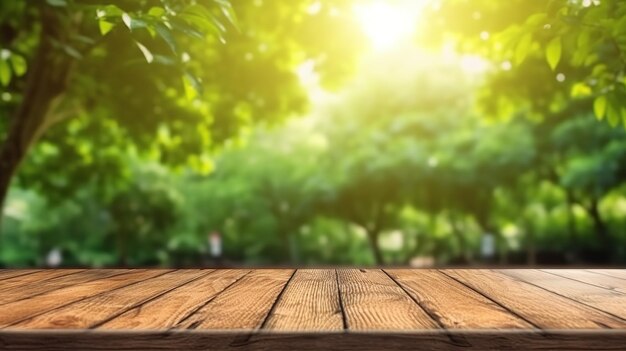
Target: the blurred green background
(312, 132)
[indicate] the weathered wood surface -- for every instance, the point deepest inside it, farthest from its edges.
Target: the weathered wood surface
(313, 309)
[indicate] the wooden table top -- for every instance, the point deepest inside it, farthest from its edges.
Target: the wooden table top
(312, 308)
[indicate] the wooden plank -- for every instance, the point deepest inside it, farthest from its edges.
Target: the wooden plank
(193, 340)
(541, 308)
(528, 339)
(616, 273)
(310, 303)
(32, 290)
(64, 340)
(40, 277)
(96, 309)
(453, 304)
(17, 311)
(594, 296)
(373, 301)
(603, 281)
(174, 306)
(10, 273)
(244, 305)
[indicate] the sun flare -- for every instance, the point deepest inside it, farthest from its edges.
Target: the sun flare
(385, 23)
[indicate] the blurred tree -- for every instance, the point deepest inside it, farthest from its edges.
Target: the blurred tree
(399, 162)
(387, 128)
(285, 179)
(141, 217)
(593, 163)
(60, 35)
(154, 76)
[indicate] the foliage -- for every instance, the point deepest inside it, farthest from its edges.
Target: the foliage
(547, 53)
(151, 124)
(156, 77)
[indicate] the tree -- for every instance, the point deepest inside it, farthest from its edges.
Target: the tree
(283, 184)
(65, 33)
(387, 129)
(572, 49)
(154, 76)
(142, 215)
(592, 166)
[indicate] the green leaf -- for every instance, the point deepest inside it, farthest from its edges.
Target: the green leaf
(202, 18)
(72, 52)
(190, 92)
(156, 11)
(83, 39)
(523, 47)
(185, 28)
(151, 30)
(105, 26)
(5, 73)
(146, 53)
(580, 90)
(164, 60)
(108, 12)
(138, 23)
(165, 33)
(613, 115)
(553, 52)
(19, 64)
(599, 107)
(127, 20)
(229, 12)
(133, 23)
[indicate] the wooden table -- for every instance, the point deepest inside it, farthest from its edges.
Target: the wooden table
(312, 309)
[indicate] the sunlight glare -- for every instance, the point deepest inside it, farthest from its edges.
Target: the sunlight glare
(474, 65)
(385, 23)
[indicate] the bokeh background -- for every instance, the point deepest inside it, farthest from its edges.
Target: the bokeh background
(312, 132)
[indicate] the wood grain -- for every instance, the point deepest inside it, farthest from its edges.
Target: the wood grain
(373, 301)
(603, 281)
(312, 309)
(176, 305)
(541, 308)
(310, 303)
(96, 309)
(452, 304)
(10, 273)
(38, 278)
(20, 310)
(24, 292)
(590, 295)
(617, 273)
(244, 305)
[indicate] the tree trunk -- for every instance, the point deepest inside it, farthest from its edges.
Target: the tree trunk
(372, 236)
(571, 225)
(531, 247)
(600, 227)
(122, 249)
(46, 81)
(503, 252)
(460, 237)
